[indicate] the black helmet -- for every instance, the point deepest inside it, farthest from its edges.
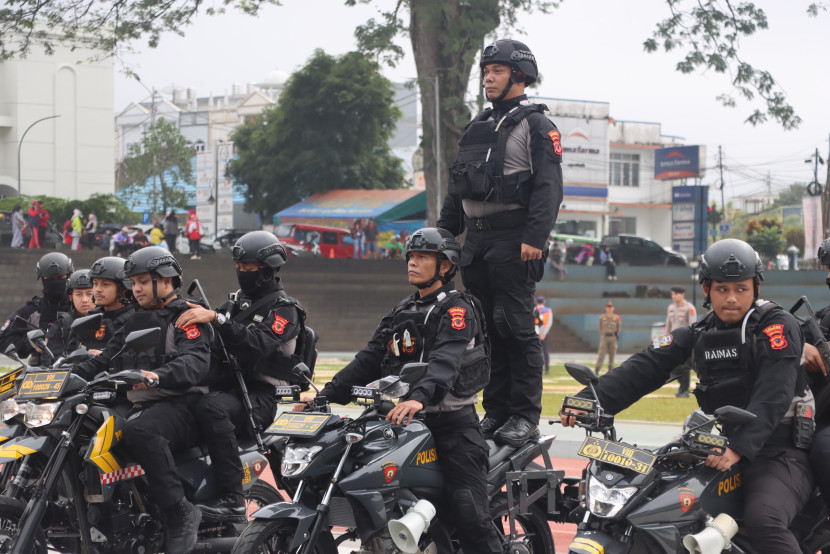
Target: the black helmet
(513, 53)
(730, 260)
(261, 247)
(824, 252)
(440, 241)
(54, 264)
(153, 259)
(110, 267)
(79, 280)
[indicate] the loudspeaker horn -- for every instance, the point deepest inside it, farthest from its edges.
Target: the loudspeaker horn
(714, 538)
(407, 531)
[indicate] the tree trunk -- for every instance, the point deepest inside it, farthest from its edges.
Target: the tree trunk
(446, 37)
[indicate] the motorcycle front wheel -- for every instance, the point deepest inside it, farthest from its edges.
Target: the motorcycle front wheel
(11, 512)
(533, 524)
(273, 536)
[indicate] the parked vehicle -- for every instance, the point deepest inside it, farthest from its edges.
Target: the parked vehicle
(84, 494)
(365, 474)
(331, 242)
(666, 500)
(633, 250)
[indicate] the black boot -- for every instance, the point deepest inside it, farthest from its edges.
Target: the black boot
(182, 527)
(489, 426)
(227, 506)
(516, 432)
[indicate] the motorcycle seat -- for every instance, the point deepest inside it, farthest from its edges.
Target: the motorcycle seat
(498, 452)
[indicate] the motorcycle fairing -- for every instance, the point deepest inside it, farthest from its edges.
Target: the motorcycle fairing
(289, 510)
(24, 446)
(108, 435)
(596, 542)
(9, 431)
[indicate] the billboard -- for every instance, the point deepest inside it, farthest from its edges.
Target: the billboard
(678, 162)
(689, 220)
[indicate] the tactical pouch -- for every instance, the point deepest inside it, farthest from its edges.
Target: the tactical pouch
(474, 374)
(804, 426)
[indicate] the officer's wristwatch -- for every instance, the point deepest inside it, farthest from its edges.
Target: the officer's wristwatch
(220, 319)
(152, 383)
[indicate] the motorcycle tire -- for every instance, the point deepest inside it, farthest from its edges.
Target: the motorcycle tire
(273, 536)
(11, 511)
(533, 523)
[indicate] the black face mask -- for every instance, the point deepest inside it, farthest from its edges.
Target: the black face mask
(54, 289)
(249, 281)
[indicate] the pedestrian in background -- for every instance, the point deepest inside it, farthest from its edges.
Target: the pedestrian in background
(681, 313)
(34, 240)
(156, 234)
(606, 259)
(557, 261)
(544, 319)
(193, 231)
(371, 240)
(356, 232)
(18, 226)
(610, 326)
(586, 255)
(77, 229)
(90, 229)
(42, 224)
(171, 230)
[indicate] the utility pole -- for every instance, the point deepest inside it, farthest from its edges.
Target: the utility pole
(437, 151)
(722, 201)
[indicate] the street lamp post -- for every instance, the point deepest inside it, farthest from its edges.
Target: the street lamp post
(20, 145)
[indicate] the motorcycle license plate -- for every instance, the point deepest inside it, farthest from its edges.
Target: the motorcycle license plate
(47, 384)
(7, 383)
(298, 424)
(617, 454)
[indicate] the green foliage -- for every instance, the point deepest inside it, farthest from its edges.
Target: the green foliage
(163, 152)
(108, 208)
(330, 131)
(794, 236)
(792, 195)
(765, 236)
(710, 31)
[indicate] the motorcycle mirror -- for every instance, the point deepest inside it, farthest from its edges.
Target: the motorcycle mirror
(582, 373)
(144, 339)
(11, 352)
(86, 326)
(413, 372)
(36, 338)
(78, 355)
(733, 415)
(301, 370)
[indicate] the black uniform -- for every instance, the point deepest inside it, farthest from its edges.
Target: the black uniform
(820, 450)
(506, 188)
(263, 340)
(162, 419)
(444, 331)
(759, 371)
(41, 312)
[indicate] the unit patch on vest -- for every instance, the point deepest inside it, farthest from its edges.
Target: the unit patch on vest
(99, 334)
(660, 342)
(457, 315)
(279, 325)
(776, 336)
(728, 353)
(557, 142)
(191, 331)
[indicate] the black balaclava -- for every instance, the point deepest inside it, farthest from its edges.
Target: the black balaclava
(54, 289)
(252, 283)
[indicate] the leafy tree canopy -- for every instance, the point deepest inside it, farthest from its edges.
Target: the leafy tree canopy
(159, 161)
(792, 195)
(330, 131)
(108, 208)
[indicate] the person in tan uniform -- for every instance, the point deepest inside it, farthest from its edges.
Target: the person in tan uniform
(681, 313)
(610, 325)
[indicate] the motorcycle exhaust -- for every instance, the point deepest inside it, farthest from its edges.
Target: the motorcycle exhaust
(714, 538)
(407, 531)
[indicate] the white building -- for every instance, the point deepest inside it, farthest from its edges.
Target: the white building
(68, 156)
(608, 170)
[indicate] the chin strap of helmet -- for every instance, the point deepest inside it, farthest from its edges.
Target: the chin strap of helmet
(156, 300)
(510, 82)
(446, 278)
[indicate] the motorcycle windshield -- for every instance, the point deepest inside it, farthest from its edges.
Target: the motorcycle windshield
(391, 387)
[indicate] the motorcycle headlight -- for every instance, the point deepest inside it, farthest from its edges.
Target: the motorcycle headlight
(607, 501)
(296, 458)
(8, 409)
(38, 415)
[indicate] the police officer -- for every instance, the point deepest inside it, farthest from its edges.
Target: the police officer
(162, 418)
(505, 188)
(260, 327)
(58, 339)
(41, 311)
(680, 313)
(609, 327)
(113, 298)
(441, 326)
(747, 354)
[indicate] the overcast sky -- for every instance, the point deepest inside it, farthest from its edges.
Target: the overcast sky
(586, 49)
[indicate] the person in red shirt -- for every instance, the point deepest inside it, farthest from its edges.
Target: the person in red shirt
(42, 223)
(34, 241)
(193, 231)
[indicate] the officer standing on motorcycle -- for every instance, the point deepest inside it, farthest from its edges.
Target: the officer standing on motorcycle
(41, 311)
(505, 188)
(162, 419)
(747, 353)
(443, 327)
(260, 327)
(113, 298)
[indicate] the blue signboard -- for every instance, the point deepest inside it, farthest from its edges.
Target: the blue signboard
(677, 162)
(145, 217)
(690, 220)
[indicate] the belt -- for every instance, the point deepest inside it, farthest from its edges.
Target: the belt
(498, 221)
(609, 334)
(467, 412)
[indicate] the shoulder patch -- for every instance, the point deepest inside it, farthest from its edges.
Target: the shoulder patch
(776, 336)
(5, 325)
(660, 342)
(191, 331)
(457, 315)
(279, 324)
(99, 334)
(556, 139)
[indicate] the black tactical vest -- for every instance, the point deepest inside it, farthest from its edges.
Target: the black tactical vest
(422, 328)
(165, 349)
(478, 171)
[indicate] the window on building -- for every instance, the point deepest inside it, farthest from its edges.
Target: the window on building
(622, 226)
(576, 227)
(625, 170)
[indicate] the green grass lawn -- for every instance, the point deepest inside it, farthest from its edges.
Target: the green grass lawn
(660, 406)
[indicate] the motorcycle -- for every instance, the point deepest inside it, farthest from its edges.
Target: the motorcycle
(84, 494)
(633, 500)
(380, 480)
